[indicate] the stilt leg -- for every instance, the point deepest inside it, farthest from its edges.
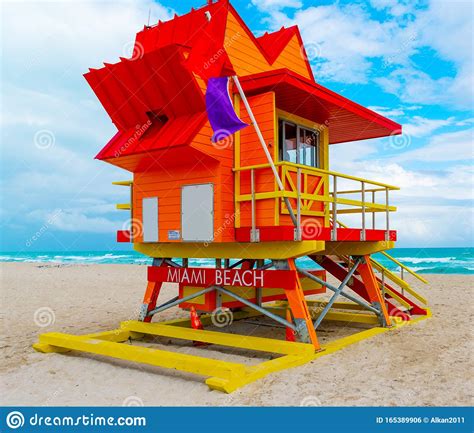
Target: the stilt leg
(149, 300)
(371, 286)
(301, 314)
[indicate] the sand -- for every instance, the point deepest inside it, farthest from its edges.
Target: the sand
(430, 363)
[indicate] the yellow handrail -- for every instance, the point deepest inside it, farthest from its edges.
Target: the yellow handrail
(319, 171)
(406, 268)
(394, 260)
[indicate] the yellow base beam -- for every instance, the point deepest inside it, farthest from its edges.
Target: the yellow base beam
(222, 375)
(220, 338)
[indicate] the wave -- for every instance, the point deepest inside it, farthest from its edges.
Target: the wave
(417, 260)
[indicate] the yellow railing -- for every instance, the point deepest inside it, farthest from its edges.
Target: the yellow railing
(326, 190)
(124, 206)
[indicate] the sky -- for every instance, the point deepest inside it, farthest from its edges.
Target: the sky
(408, 60)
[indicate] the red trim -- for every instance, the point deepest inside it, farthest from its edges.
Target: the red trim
(286, 233)
(206, 277)
(347, 120)
(124, 236)
(210, 299)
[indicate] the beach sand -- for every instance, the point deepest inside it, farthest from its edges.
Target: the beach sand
(429, 363)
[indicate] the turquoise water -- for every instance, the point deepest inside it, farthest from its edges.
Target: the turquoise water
(421, 260)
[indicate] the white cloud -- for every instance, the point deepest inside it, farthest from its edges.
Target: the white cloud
(447, 28)
(388, 112)
(266, 5)
(446, 147)
(422, 126)
(49, 47)
(349, 40)
(434, 206)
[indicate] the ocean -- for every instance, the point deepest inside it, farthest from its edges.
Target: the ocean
(421, 260)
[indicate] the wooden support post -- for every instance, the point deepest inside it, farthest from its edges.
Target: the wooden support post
(299, 308)
(149, 300)
(373, 291)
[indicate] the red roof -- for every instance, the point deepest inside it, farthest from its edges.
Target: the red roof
(347, 120)
(154, 85)
(155, 82)
(153, 136)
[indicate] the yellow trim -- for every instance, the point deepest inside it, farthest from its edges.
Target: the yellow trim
(356, 248)
(123, 206)
(237, 165)
(323, 156)
(223, 250)
(221, 338)
(397, 280)
(123, 182)
(319, 171)
(276, 145)
(285, 115)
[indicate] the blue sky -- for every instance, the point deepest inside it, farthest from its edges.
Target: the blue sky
(409, 60)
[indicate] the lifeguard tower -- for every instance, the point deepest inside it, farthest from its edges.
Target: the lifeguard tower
(260, 203)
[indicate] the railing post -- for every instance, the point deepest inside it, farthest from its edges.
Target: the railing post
(264, 147)
(334, 209)
(362, 237)
(387, 216)
(373, 213)
(298, 204)
(253, 233)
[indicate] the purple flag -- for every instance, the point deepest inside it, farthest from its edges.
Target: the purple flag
(220, 110)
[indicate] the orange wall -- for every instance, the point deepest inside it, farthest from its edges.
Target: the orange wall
(247, 59)
(165, 183)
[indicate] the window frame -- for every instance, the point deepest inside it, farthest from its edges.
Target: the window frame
(282, 142)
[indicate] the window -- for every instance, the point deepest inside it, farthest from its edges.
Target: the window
(298, 144)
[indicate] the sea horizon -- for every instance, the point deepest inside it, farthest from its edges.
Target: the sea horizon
(439, 260)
